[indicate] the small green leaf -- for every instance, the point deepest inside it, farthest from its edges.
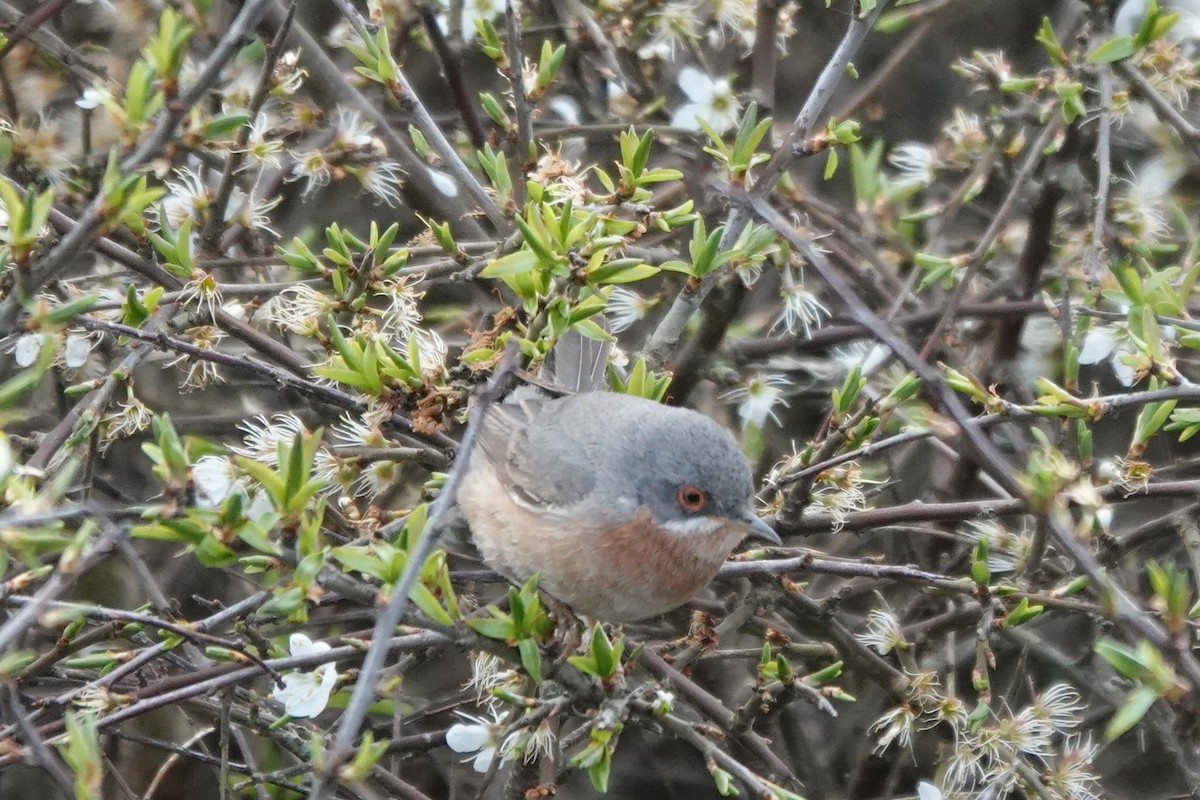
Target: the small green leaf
(1136, 704)
(1117, 48)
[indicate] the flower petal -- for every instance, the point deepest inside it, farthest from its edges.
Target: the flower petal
(686, 116)
(442, 182)
(483, 762)
(462, 738)
(1098, 344)
(27, 349)
(696, 85)
(305, 694)
(1126, 374)
(927, 791)
(301, 645)
(76, 351)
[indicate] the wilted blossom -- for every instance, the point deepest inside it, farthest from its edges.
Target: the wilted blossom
(883, 632)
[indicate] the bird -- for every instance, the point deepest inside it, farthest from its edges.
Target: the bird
(622, 506)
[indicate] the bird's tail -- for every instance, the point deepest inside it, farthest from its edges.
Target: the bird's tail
(577, 363)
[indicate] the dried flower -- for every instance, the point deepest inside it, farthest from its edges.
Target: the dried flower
(883, 632)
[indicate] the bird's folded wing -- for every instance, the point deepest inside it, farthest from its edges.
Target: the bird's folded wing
(538, 468)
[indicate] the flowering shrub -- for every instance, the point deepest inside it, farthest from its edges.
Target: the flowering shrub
(256, 260)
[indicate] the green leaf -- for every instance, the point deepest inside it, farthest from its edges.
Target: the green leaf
(212, 553)
(425, 600)
(1117, 48)
(1022, 613)
(492, 628)
(1124, 660)
(1136, 704)
(831, 163)
(531, 658)
(511, 264)
(622, 270)
(360, 559)
(223, 125)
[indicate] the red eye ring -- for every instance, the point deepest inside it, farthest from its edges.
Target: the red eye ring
(691, 499)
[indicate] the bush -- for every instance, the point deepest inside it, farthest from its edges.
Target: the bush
(266, 267)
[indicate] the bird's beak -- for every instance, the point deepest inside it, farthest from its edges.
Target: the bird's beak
(757, 529)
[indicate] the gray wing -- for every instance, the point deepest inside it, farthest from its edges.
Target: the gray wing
(538, 461)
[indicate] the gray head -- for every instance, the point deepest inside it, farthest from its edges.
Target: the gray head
(685, 468)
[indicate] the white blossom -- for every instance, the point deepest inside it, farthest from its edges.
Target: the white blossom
(1114, 343)
(479, 736)
(313, 168)
(305, 694)
(757, 399)
(442, 182)
(736, 19)
(202, 292)
(431, 350)
(916, 163)
(896, 725)
(488, 672)
(625, 308)
(200, 371)
(263, 437)
(8, 461)
(1071, 775)
(711, 100)
(262, 148)
(381, 179)
(801, 307)
(93, 97)
(530, 745)
(215, 478)
(251, 212)
(299, 308)
(1130, 14)
(472, 10)
(671, 26)
(927, 791)
(187, 198)
(662, 702)
(129, 417)
(27, 348)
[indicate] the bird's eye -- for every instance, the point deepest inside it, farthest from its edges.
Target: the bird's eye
(691, 499)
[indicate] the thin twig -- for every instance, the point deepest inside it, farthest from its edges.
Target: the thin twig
(1188, 132)
(241, 363)
(1103, 156)
(516, 79)
(406, 97)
